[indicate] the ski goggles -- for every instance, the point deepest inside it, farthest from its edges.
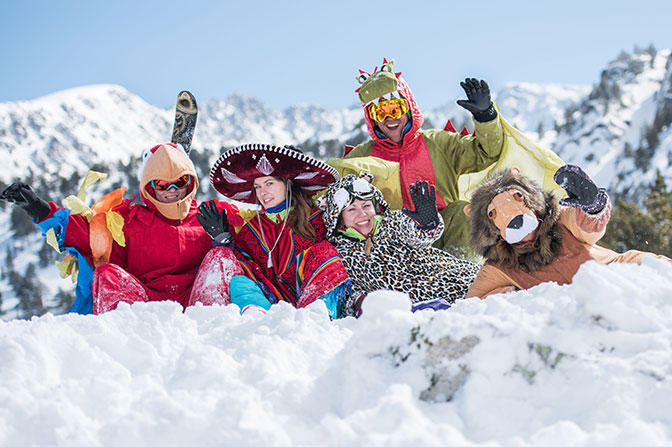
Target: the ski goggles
(165, 185)
(394, 108)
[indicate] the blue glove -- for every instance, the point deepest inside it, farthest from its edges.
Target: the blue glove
(245, 292)
(437, 304)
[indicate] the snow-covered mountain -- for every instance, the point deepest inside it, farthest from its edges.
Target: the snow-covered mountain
(238, 120)
(620, 131)
(538, 109)
(72, 130)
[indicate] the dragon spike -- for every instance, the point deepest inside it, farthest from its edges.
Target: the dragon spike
(363, 72)
(357, 91)
(397, 75)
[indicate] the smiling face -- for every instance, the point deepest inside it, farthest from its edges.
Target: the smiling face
(359, 215)
(171, 195)
(394, 128)
(270, 191)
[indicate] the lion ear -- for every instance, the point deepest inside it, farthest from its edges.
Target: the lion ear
(467, 210)
(515, 170)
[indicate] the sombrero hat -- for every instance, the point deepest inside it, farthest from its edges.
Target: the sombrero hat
(235, 170)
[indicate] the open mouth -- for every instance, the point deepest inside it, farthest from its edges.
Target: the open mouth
(364, 224)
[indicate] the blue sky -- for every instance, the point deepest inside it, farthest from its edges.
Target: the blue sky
(287, 53)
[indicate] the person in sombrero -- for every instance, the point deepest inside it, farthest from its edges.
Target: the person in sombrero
(282, 249)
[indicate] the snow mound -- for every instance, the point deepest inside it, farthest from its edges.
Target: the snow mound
(584, 364)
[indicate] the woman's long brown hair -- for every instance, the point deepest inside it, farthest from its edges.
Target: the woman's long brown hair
(303, 207)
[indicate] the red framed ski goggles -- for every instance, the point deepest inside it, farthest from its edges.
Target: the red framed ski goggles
(394, 108)
(165, 185)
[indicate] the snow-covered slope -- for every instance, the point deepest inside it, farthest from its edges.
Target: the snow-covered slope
(72, 130)
(538, 109)
(581, 365)
(75, 129)
(609, 132)
(238, 120)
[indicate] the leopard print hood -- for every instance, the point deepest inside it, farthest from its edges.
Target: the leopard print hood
(343, 192)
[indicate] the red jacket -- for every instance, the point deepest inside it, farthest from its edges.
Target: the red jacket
(162, 254)
(165, 243)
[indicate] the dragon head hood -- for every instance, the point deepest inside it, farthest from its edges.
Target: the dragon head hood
(343, 192)
(383, 85)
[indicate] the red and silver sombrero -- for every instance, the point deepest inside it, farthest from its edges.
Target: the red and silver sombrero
(235, 170)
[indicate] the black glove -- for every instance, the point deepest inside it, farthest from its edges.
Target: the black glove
(23, 196)
(479, 102)
(214, 223)
(424, 199)
(581, 191)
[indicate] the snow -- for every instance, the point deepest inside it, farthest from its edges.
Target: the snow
(585, 364)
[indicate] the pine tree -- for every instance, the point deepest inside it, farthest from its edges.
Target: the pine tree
(46, 255)
(64, 301)
(659, 206)
(22, 224)
(647, 229)
(29, 291)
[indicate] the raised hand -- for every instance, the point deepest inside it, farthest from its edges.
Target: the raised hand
(213, 222)
(478, 100)
(22, 195)
(424, 200)
(581, 190)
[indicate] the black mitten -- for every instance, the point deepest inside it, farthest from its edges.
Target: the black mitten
(22, 195)
(581, 191)
(479, 102)
(213, 222)
(424, 199)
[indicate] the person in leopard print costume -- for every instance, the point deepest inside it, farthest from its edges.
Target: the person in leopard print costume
(389, 249)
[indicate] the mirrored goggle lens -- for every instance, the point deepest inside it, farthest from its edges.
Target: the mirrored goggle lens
(164, 185)
(394, 108)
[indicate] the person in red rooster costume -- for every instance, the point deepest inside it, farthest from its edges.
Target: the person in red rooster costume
(159, 249)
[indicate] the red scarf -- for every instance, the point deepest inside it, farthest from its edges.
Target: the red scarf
(415, 164)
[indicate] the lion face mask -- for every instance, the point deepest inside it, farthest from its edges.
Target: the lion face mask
(515, 221)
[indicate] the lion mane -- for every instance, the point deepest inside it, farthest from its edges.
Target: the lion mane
(485, 237)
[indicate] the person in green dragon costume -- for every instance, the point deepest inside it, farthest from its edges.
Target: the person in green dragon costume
(401, 153)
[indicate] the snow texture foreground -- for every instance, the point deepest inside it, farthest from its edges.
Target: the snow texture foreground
(586, 364)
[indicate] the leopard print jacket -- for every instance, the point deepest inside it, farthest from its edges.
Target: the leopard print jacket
(401, 257)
